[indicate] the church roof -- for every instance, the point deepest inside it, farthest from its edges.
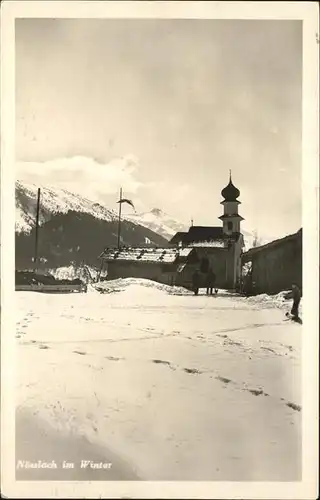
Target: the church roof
(203, 236)
(203, 233)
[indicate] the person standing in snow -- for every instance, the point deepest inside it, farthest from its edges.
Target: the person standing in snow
(296, 295)
(196, 281)
(211, 278)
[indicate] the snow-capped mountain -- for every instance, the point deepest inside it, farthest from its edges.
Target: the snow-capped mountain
(158, 221)
(53, 201)
(74, 230)
(161, 223)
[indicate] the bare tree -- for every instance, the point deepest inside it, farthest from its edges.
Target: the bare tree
(256, 242)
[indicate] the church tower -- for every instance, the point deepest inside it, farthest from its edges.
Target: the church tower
(230, 218)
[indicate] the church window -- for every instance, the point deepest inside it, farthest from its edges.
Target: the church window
(230, 226)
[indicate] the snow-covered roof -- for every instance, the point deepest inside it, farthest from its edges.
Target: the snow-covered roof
(184, 252)
(204, 233)
(212, 244)
(159, 255)
(203, 236)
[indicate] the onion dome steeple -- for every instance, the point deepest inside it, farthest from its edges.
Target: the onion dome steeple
(230, 218)
(230, 192)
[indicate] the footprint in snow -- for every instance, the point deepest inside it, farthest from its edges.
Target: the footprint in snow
(80, 352)
(268, 349)
(233, 342)
(112, 358)
(192, 371)
(288, 347)
(223, 379)
(293, 406)
(257, 392)
(160, 361)
(43, 346)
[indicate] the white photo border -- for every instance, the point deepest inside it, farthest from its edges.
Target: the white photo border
(308, 13)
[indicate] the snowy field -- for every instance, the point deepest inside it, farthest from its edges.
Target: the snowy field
(159, 383)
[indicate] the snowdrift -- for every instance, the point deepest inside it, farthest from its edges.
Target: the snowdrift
(145, 287)
(138, 285)
(281, 300)
(87, 274)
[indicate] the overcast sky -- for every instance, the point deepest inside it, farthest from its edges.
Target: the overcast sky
(165, 108)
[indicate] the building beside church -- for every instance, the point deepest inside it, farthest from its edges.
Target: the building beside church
(157, 264)
(218, 247)
(274, 267)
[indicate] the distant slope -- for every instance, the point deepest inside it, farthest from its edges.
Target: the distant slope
(53, 201)
(73, 229)
(158, 221)
(78, 238)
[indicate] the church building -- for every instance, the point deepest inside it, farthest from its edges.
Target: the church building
(218, 247)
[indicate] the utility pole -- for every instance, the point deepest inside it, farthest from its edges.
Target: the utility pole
(119, 222)
(37, 232)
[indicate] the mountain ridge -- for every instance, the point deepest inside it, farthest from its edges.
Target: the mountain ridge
(52, 201)
(63, 213)
(72, 228)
